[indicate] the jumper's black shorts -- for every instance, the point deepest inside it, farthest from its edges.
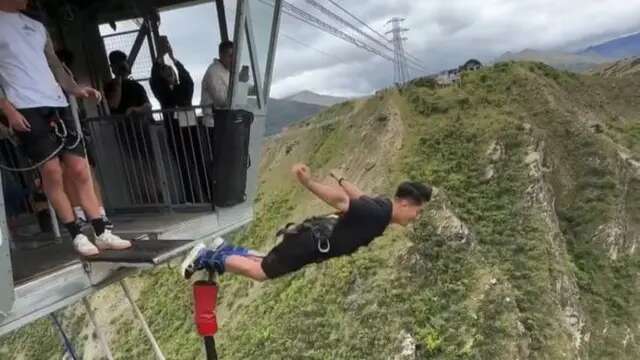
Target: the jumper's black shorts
(39, 143)
(291, 254)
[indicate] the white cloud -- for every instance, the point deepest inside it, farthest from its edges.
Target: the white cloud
(444, 33)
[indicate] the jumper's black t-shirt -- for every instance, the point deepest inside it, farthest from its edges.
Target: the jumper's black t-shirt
(366, 219)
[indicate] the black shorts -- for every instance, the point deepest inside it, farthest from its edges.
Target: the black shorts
(42, 141)
(291, 254)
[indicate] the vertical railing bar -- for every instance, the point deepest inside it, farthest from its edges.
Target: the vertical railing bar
(195, 162)
(204, 162)
(141, 167)
(211, 147)
(176, 151)
(180, 133)
(172, 179)
(152, 165)
(137, 199)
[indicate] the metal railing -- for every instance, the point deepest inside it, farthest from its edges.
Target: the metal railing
(162, 159)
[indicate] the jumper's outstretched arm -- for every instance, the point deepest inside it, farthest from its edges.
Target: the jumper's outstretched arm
(334, 196)
(351, 189)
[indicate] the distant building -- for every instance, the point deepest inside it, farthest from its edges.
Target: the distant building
(450, 77)
(471, 65)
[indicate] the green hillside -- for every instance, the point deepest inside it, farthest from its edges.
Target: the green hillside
(528, 250)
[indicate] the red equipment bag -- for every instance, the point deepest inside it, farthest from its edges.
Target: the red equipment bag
(205, 294)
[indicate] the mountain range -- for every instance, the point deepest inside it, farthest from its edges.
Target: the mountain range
(282, 113)
(627, 46)
(582, 60)
(311, 97)
(290, 110)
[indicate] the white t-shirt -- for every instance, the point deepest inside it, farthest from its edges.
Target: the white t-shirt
(25, 75)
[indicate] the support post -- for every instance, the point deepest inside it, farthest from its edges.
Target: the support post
(222, 20)
(145, 327)
(238, 42)
(273, 44)
(67, 343)
(137, 44)
(253, 55)
(101, 338)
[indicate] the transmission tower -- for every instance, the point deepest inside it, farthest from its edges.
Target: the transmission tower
(401, 71)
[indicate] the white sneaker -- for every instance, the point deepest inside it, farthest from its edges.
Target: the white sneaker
(188, 267)
(83, 246)
(109, 241)
(217, 243)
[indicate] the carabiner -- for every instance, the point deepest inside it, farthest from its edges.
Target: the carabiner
(324, 249)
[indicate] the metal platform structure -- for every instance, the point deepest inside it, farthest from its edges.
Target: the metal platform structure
(155, 209)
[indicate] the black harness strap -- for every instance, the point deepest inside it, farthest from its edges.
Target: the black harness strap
(320, 227)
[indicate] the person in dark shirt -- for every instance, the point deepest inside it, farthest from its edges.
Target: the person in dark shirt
(124, 95)
(171, 90)
(361, 219)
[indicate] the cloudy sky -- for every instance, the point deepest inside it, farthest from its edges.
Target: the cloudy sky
(443, 34)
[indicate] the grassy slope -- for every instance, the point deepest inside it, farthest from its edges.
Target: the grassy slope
(503, 296)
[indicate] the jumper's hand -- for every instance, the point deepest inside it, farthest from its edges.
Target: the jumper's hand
(88, 93)
(302, 173)
(17, 122)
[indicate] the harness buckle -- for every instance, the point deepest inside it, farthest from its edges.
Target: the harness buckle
(324, 248)
(324, 245)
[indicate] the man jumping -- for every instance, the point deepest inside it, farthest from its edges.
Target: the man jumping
(360, 220)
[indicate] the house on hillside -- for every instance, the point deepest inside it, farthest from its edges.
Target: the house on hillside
(471, 65)
(450, 77)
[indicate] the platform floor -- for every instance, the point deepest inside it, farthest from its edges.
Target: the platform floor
(133, 225)
(35, 254)
(142, 252)
(31, 263)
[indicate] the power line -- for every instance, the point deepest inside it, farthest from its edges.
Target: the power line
(309, 46)
(358, 20)
(414, 58)
(341, 20)
(336, 17)
(312, 20)
(302, 15)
